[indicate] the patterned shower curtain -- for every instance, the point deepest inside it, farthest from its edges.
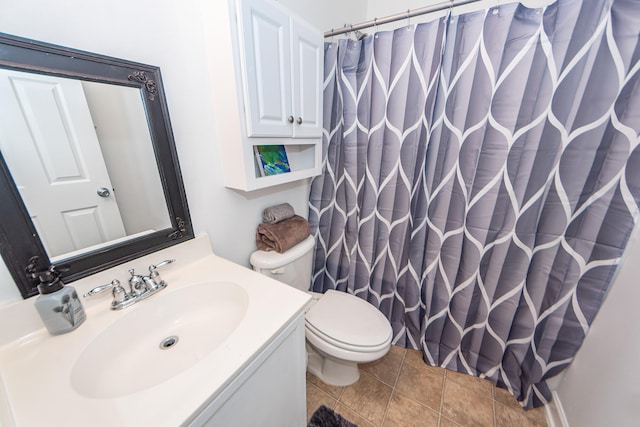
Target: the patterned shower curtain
(481, 180)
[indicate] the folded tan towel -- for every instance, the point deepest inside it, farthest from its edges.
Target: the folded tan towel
(282, 235)
(277, 213)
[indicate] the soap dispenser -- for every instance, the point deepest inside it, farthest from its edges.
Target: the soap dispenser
(58, 305)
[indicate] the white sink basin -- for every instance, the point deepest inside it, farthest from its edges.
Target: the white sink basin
(158, 339)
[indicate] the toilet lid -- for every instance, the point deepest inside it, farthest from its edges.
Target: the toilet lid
(349, 319)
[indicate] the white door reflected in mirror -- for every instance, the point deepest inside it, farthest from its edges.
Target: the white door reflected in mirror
(51, 133)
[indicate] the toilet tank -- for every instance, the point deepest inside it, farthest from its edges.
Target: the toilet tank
(292, 267)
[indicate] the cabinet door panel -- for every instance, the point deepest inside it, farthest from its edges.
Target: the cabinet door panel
(307, 64)
(267, 78)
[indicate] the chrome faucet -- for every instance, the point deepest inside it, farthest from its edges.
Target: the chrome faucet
(140, 287)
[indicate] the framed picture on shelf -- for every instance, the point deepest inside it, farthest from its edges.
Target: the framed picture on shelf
(271, 159)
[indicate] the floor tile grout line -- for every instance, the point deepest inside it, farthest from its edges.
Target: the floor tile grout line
(324, 392)
(395, 383)
(493, 394)
(340, 394)
(444, 377)
(493, 398)
(444, 384)
(354, 410)
(417, 401)
(422, 404)
(393, 389)
(386, 408)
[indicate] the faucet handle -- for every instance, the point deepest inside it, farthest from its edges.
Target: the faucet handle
(152, 267)
(135, 281)
(100, 289)
(154, 281)
(119, 294)
(121, 299)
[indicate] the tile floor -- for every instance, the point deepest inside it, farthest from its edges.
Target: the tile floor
(401, 390)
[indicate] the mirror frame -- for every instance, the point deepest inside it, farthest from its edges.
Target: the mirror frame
(19, 240)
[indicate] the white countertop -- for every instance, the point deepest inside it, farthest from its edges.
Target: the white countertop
(35, 367)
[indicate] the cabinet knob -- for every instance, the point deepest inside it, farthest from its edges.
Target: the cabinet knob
(290, 119)
(299, 120)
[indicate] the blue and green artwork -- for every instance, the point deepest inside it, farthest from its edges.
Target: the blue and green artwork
(272, 159)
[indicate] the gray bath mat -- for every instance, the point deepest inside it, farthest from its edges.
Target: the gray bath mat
(325, 417)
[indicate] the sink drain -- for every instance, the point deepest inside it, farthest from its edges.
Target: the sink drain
(168, 342)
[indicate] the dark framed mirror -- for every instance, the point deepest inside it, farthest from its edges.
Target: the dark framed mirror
(89, 173)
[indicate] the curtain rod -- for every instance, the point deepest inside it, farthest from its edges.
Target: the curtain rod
(398, 16)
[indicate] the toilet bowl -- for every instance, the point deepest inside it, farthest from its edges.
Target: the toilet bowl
(342, 330)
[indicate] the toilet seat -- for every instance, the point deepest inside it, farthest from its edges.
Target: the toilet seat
(314, 335)
(349, 323)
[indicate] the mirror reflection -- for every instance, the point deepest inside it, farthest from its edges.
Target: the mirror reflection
(81, 155)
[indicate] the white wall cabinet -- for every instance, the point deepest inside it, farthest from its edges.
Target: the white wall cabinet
(278, 63)
(282, 72)
(308, 68)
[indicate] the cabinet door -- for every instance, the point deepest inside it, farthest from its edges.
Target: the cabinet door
(307, 56)
(265, 33)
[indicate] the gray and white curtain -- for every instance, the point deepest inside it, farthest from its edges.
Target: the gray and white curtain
(481, 180)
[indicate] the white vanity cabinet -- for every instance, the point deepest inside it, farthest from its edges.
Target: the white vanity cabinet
(269, 392)
(278, 70)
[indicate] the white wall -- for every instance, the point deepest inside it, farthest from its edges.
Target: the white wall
(382, 8)
(602, 385)
(169, 34)
(328, 14)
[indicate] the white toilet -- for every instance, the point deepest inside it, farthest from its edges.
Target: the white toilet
(342, 330)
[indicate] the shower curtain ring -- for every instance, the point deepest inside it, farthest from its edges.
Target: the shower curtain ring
(348, 33)
(375, 25)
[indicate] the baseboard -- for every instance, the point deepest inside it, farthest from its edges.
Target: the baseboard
(555, 412)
